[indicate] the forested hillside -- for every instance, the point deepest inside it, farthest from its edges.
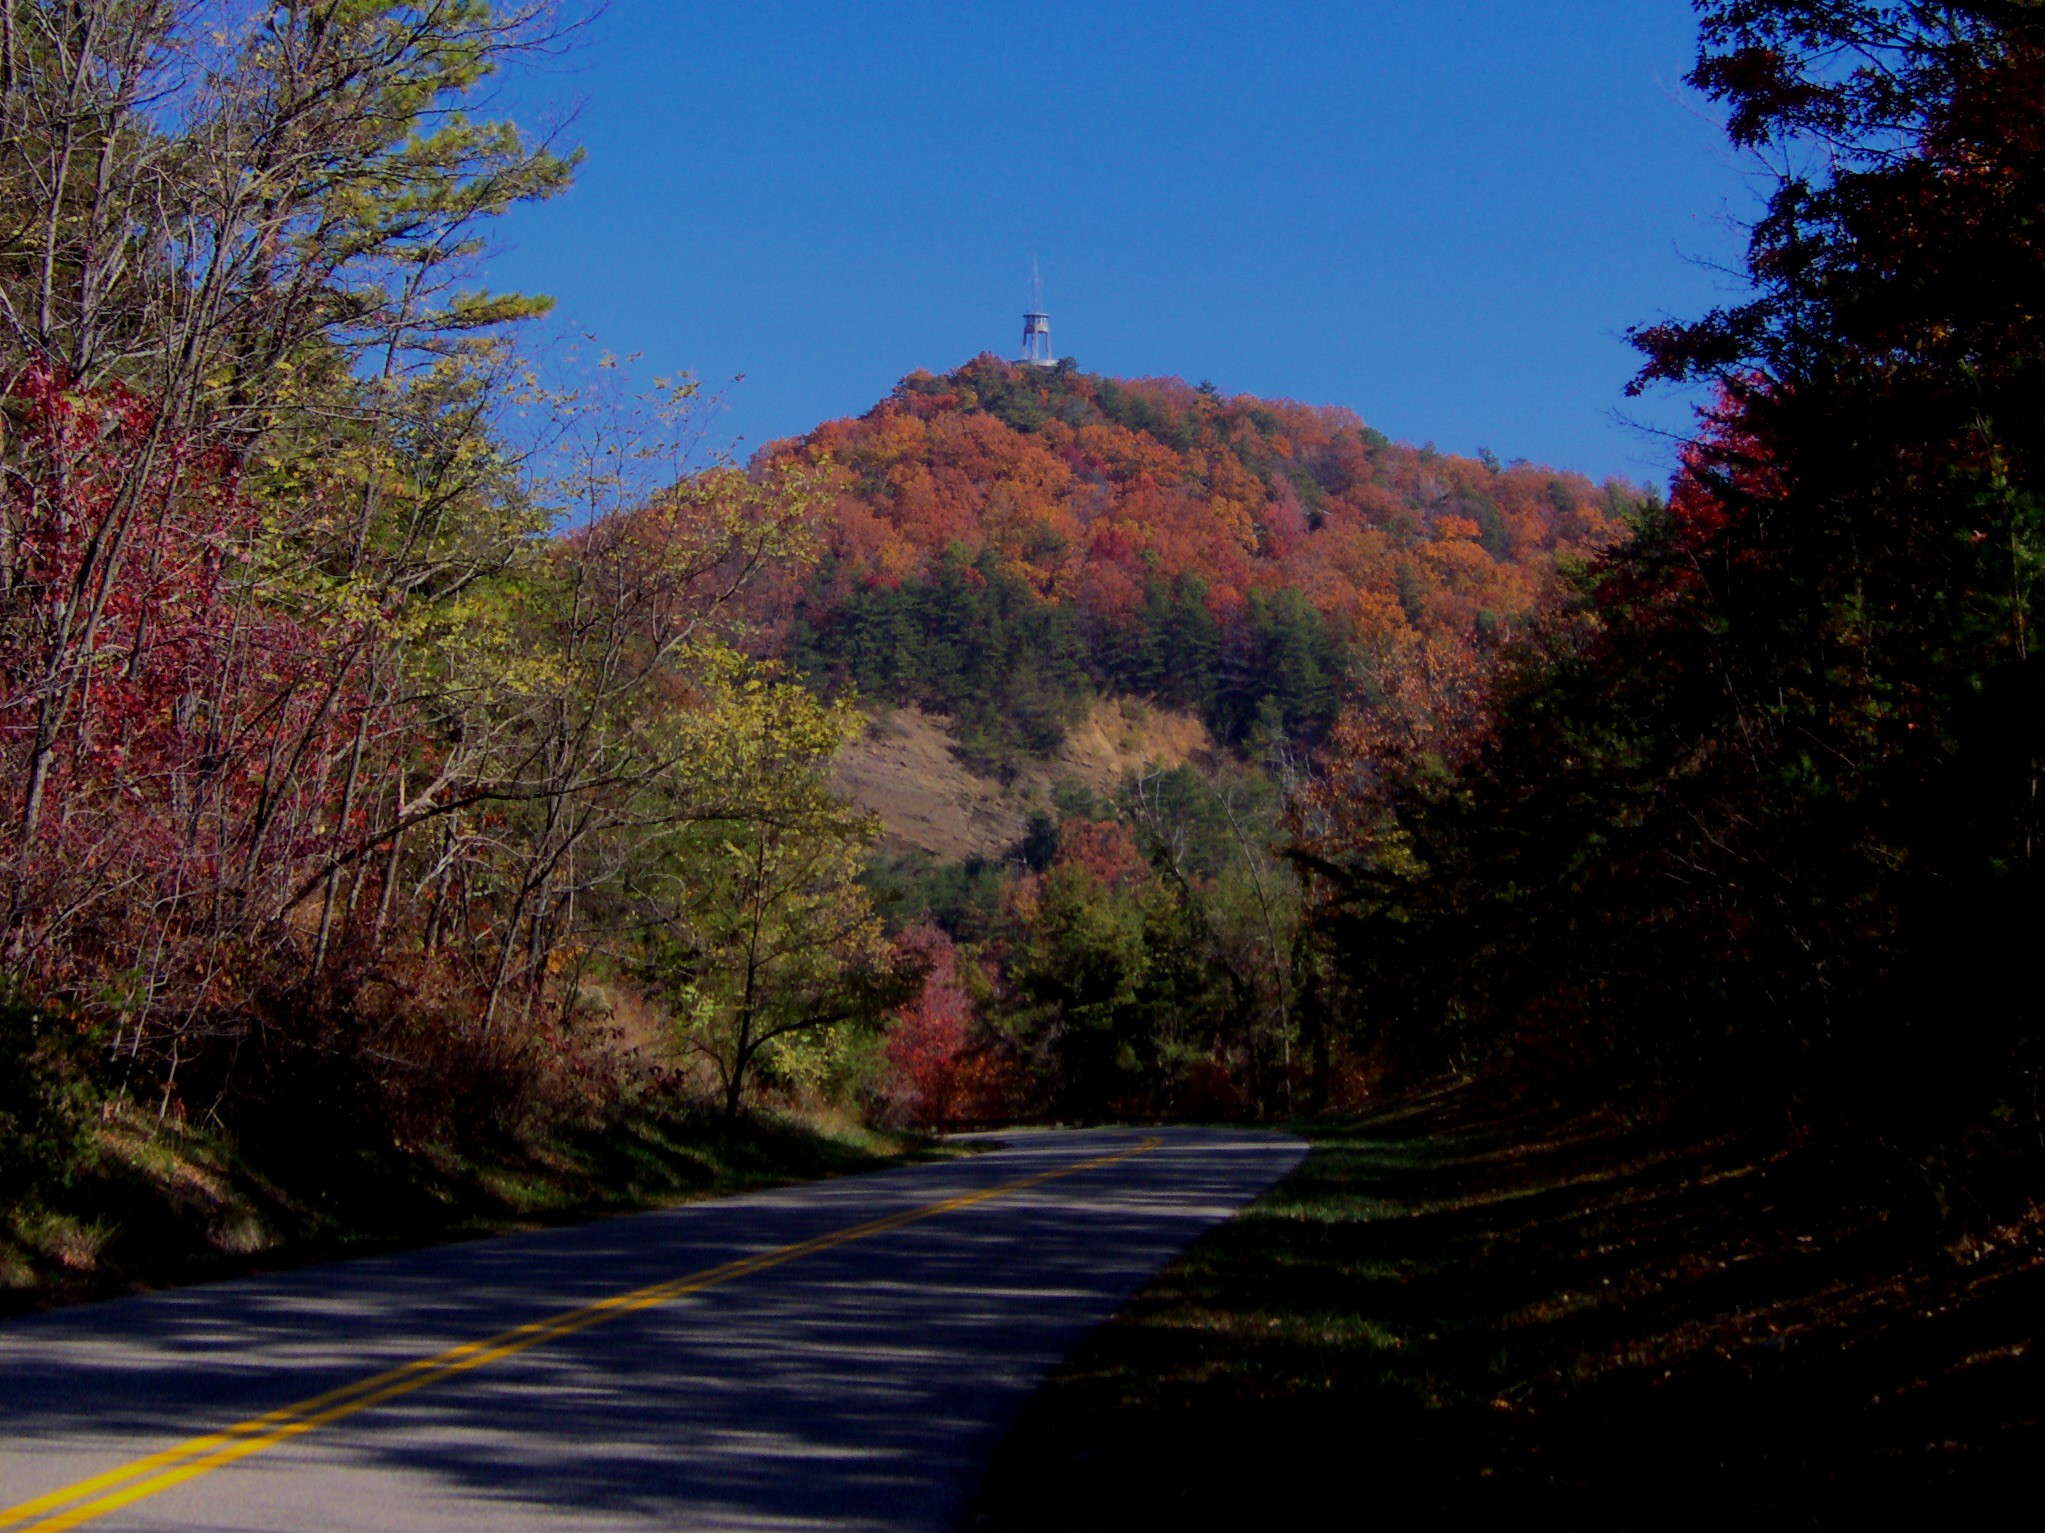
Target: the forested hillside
(1005, 541)
(1015, 549)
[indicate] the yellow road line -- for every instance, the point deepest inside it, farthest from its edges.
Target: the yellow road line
(144, 1477)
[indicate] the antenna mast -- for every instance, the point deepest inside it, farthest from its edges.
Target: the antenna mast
(1037, 324)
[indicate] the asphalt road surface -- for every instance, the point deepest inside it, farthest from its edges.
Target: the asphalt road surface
(839, 1355)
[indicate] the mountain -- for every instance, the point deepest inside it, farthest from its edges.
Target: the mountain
(1008, 542)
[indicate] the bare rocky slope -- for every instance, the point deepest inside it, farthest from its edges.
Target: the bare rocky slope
(907, 772)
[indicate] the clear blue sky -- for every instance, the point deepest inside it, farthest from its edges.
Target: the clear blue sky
(1441, 213)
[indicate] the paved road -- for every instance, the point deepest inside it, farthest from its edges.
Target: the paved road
(679, 1369)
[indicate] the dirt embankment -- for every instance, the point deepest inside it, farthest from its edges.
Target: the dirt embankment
(907, 771)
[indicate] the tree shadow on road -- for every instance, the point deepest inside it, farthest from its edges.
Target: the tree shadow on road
(866, 1383)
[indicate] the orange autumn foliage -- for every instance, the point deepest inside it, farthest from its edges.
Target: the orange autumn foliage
(1091, 487)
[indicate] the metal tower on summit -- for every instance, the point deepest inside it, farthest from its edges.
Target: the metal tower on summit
(1037, 325)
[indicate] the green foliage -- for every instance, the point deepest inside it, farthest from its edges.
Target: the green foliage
(1492, 536)
(1080, 979)
(1293, 672)
(973, 641)
(964, 898)
(1280, 666)
(1016, 671)
(1133, 942)
(46, 1099)
(1138, 412)
(1170, 650)
(756, 928)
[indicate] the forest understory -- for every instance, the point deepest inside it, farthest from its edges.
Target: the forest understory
(1470, 1304)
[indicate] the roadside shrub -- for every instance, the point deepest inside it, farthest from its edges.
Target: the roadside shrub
(46, 1094)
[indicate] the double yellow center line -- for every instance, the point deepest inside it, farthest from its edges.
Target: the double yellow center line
(144, 1477)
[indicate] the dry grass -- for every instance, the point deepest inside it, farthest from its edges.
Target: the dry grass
(907, 772)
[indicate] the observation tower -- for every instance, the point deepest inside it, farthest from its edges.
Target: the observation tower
(1036, 348)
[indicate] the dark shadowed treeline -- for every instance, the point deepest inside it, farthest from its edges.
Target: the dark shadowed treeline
(1760, 806)
(1701, 931)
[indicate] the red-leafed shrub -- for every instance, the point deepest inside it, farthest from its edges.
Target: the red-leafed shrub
(942, 1067)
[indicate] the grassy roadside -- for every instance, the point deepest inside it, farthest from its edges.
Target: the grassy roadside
(154, 1206)
(1460, 1306)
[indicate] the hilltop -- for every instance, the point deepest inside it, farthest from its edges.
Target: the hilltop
(1008, 542)
(1114, 635)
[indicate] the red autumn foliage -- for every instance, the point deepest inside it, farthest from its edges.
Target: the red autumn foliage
(1091, 487)
(175, 741)
(1103, 850)
(941, 1068)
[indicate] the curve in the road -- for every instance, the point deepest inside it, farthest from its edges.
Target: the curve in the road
(73, 1505)
(859, 1380)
